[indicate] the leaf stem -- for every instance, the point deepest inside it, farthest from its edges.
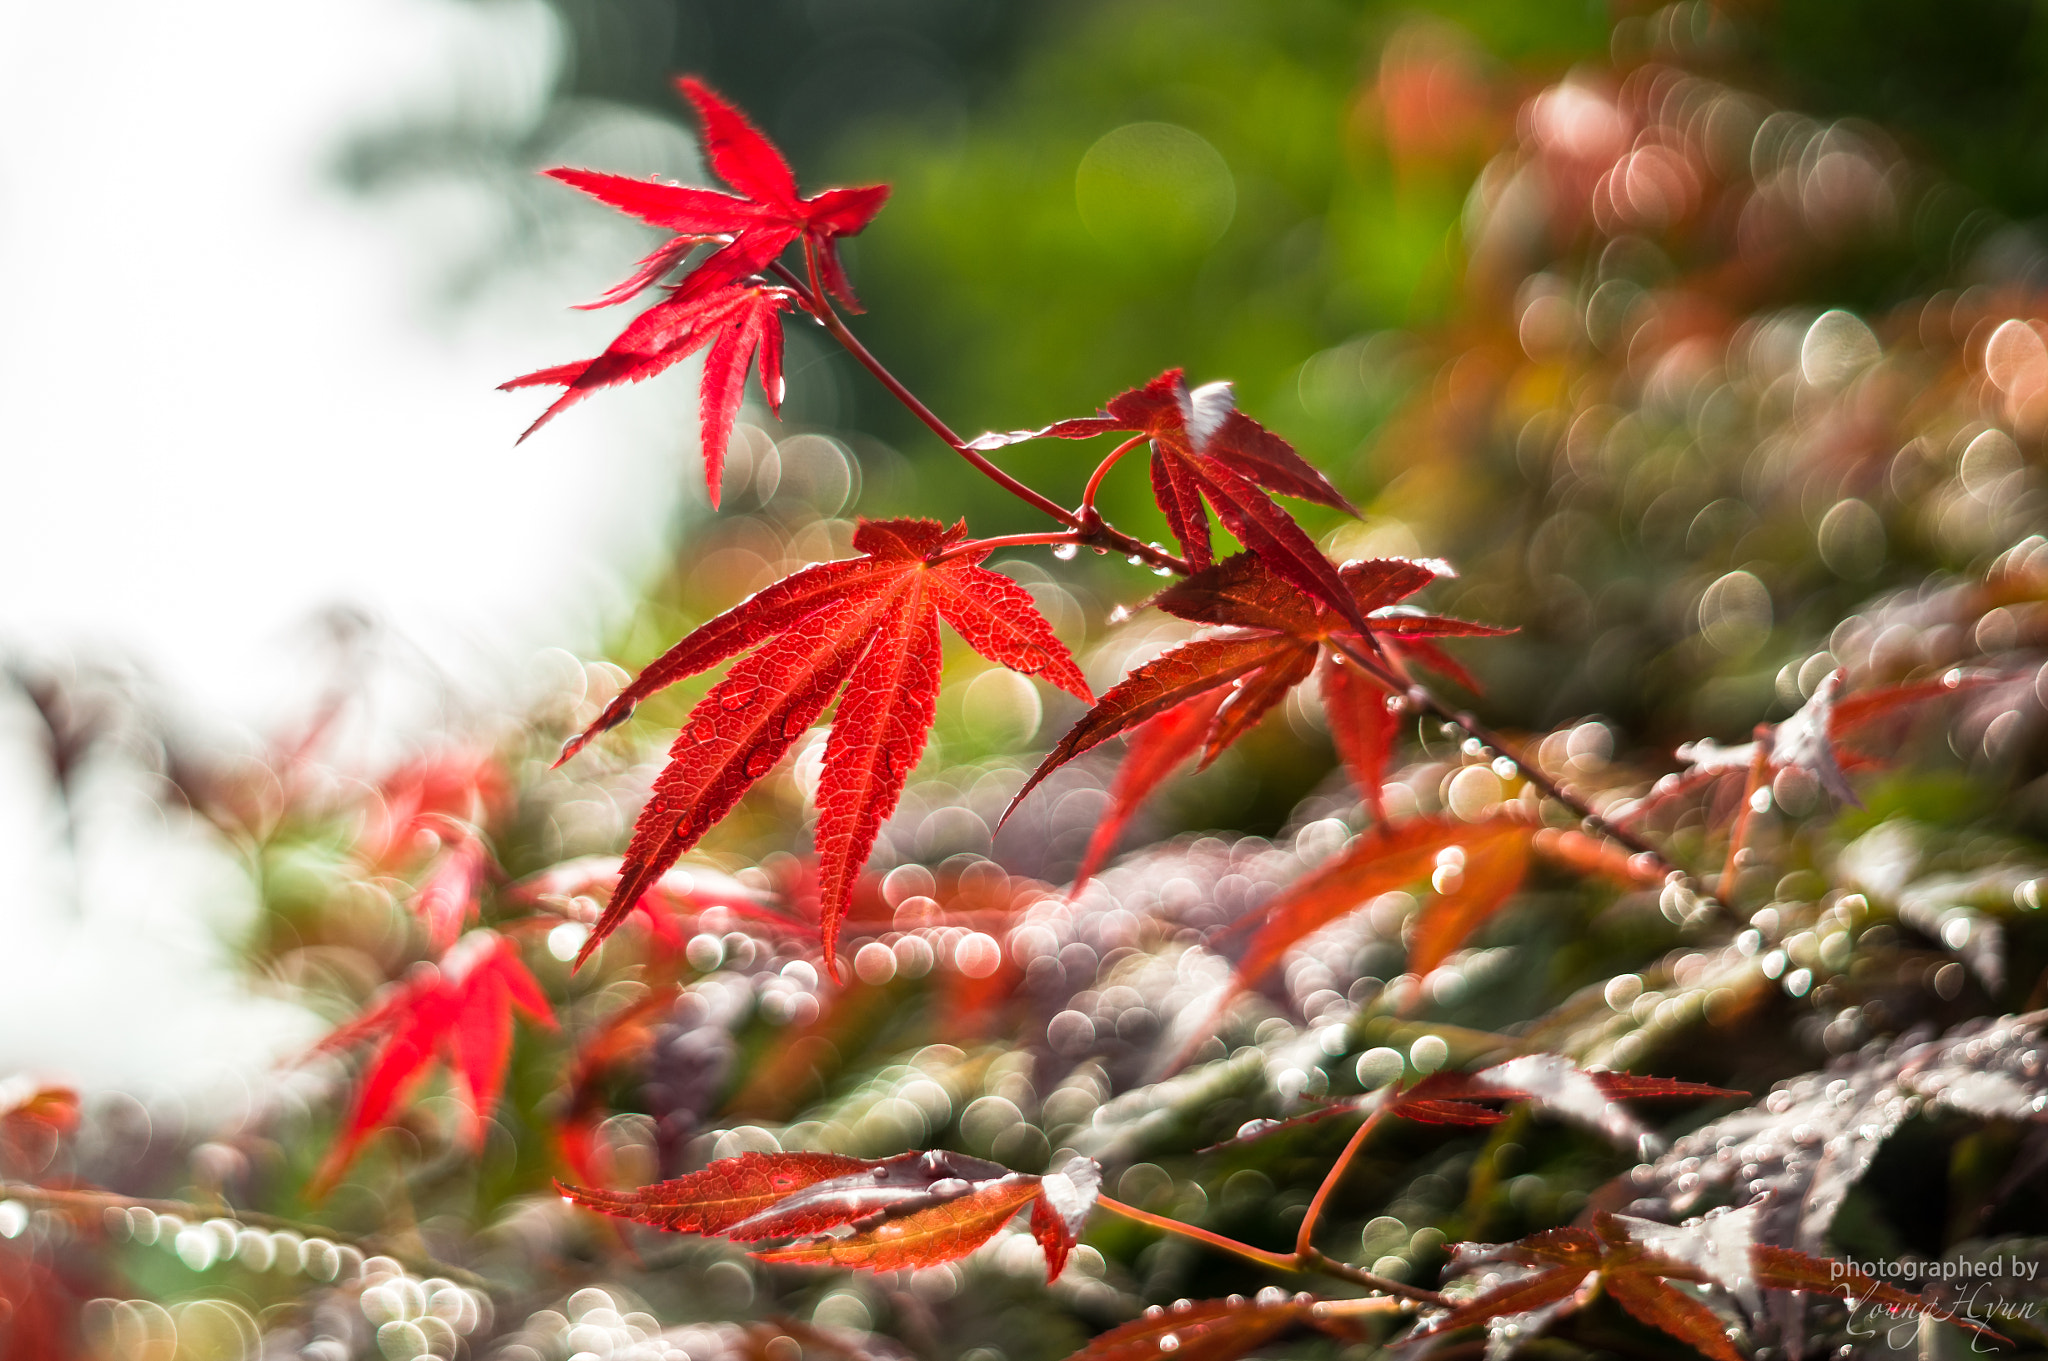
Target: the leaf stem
(1310, 1260)
(1304, 1239)
(30, 1194)
(961, 550)
(820, 307)
(1096, 533)
(1102, 470)
(1759, 771)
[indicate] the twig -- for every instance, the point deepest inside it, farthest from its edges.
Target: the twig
(1095, 532)
(30, 1194)
(1311, 1260)
(1304, 1239)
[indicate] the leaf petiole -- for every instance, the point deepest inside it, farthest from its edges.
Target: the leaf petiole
(1102, 470)
(960, 550)
(1304, 1239)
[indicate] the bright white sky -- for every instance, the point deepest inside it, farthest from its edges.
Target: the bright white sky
(234, 401)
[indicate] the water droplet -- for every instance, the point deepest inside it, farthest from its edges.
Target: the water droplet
(1135, 559)
(1065, 552)
(1120, 614)
(1168, 1342)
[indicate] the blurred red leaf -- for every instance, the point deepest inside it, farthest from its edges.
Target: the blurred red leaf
(1492, 854)
(1469, 890)
(459, 1010)
(1362, 727)
(447, 897)
(916, 1209)
(1550, 1082)
(38, 1311)
(869, 625)
(32, 1125)
(417, 803)
(1156, 748)
(1209, 1330)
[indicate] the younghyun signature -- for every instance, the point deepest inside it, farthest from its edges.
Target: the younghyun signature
(1978, 1306)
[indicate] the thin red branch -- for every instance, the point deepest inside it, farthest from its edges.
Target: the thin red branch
(1304, 1238)
(1102, 470)
(1309, 1260)
(961, 550)
(1098, 534)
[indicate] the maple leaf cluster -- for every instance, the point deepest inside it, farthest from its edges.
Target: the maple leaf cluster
(1105, 997)
(721, 305)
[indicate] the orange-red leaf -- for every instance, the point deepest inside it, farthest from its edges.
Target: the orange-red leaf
(1654, 1301)
(1379, 861)
(1617, 1255)
(1494, 862)
(32, 1126)
(723, 1194)
(916, 1209)
(941, 1232)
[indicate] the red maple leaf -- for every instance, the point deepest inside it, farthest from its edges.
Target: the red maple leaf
(913, 1210)
(1629, 1260)
(1271, 638)
(719, 303)
(865, 629)
(1205, 449)
(460, 1010)
(737, 321)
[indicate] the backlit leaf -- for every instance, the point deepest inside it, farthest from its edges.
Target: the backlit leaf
(916, 1209)
(869, 625)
